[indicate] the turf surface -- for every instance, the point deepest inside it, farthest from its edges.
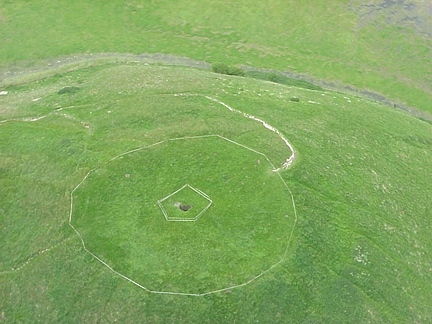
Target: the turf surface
(245, 232)
(360, 250)
(373, 47)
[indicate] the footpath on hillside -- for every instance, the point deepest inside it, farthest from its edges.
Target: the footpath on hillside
(19, 74)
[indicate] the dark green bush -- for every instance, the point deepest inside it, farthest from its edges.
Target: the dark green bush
(68, 90)
(223, 68)
(295, 99)
(234, 70)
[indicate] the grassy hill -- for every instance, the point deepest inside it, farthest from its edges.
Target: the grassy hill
(360, 248)
(340, 236)
(382, 46)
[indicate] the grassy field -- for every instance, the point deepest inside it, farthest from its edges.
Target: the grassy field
(87, 158)
(338, 41)
(360, 250)
(245, 232)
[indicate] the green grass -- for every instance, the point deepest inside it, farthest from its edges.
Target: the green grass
(185, 204)
(360, 248)
(245, 231)
(281, 79)
(328, 41)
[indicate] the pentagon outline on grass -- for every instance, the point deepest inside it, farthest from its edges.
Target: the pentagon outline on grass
(184, 219)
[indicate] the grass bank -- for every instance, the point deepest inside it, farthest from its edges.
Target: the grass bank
(331, 41)
(360, 248)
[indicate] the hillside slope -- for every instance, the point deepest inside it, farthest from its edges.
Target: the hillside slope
(360, 251)
(384, 46)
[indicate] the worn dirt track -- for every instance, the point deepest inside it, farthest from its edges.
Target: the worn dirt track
(18, 74)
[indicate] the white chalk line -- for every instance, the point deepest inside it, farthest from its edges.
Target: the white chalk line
(25, 263)
(291, 159)
(183, 293)
(176, 219)
(288, 161)
(285, 165)
(54, 112)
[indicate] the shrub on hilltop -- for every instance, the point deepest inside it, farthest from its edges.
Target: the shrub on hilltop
(223, 68)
